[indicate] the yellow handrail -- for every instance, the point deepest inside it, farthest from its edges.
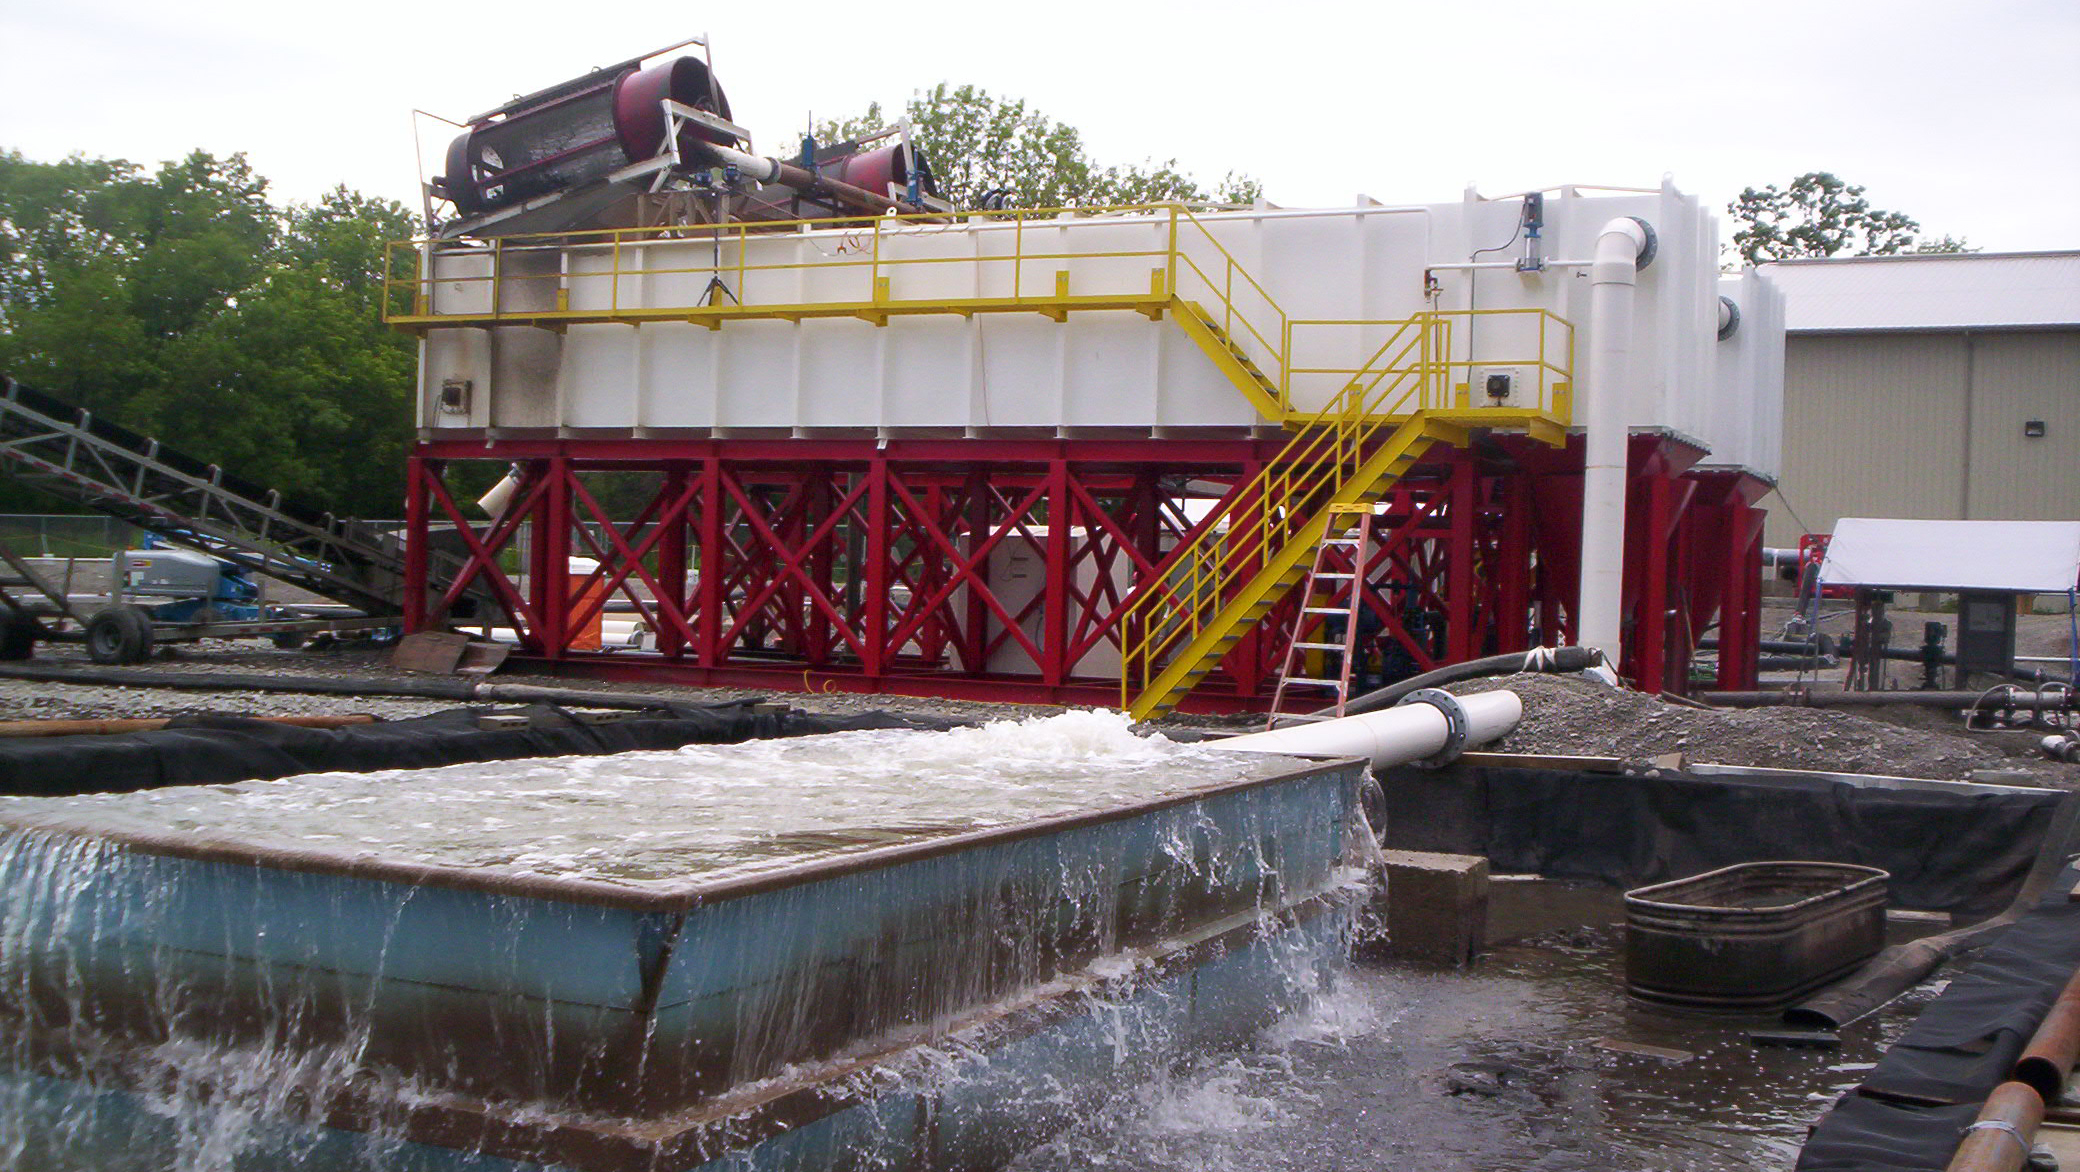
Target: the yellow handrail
(588, 282)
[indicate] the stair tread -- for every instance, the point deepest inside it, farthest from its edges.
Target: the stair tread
(1390, 447)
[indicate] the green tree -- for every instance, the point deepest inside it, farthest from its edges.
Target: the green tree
(182, 303)
(1944, 245)
(1818, 214)
(303, 385)
(985, 148)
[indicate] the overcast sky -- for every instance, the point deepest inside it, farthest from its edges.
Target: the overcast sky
(1965, 115)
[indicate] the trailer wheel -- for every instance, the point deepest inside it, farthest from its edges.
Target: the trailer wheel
(120, 634)
(17, 636)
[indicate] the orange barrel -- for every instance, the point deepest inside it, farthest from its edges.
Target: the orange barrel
(584, 597)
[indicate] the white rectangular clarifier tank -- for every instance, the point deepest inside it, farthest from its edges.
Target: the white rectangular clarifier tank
(1309, 296)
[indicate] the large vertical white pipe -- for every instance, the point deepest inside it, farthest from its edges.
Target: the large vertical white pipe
(1607, 420)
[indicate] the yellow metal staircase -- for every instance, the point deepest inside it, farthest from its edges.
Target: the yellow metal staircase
(1229, 357)
(1248, 555)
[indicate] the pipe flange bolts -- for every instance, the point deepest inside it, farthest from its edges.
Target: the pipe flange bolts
(1729, 318)
(1454, 725)
(1649, 250)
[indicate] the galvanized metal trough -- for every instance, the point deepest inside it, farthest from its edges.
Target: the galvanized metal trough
(480, 1019)
(1754, 936)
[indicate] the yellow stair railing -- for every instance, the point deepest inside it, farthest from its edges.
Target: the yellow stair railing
(1214, 589)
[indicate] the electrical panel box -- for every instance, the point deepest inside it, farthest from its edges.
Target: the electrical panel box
(455, 396)
(1499, 384)
(168, 573)
(1985, 633)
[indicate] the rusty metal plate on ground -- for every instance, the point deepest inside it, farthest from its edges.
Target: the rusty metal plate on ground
(430, 651)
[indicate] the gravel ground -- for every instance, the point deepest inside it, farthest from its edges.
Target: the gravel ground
(1574, 715)
(26, 699)
(1562, 715)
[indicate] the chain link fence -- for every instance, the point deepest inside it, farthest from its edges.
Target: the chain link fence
(60, 536)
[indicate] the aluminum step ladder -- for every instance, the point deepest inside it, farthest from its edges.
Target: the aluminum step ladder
(1339, 564)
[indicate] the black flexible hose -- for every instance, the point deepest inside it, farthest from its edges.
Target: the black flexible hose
(1550, 659)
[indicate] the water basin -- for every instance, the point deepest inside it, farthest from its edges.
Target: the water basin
(658, 960)
(1751, 936)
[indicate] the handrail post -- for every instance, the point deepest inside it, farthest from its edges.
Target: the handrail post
(1426, 380)
(874, 269)
(1285, 363)
(1228, 300)
(1018, 255)
(498, 265)
(1545, 372)
(1447, 338)
(614, 278)
(1170, 266)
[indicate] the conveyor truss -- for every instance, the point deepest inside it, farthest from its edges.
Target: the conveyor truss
(1380, 416)
(65, 451)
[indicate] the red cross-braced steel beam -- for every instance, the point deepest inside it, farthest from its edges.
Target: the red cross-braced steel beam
(1002, 568)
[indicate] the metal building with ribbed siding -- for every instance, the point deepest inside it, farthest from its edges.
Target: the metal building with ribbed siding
(1941, 386)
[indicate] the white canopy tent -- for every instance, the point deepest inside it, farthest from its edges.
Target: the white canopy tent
(2029, 557)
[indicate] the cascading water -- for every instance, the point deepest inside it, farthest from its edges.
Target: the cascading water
(653, 959)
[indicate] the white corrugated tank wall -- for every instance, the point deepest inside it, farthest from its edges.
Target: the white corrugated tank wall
(1099, 371)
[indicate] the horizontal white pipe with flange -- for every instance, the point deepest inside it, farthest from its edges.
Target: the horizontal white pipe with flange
(1429, 728)
(769, 170)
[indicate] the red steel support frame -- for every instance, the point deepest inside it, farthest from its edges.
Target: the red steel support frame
(999, 569)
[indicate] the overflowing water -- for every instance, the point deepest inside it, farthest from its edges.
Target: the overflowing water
(1501, 1067)
(209, 979)
(664, 816)
(164, 1015)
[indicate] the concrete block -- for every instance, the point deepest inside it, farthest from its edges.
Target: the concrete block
(1436, 906)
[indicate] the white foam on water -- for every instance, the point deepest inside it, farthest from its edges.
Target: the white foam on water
(1333, 1018)
(1228, 1098)
(660, 817)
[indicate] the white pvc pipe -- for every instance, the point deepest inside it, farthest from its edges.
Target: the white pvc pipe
(1608, 424)
(1474, 265)
(1391, 736)
(494, 502)
(756, 167)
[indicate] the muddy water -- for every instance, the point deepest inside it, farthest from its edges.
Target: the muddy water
(1494, 1069)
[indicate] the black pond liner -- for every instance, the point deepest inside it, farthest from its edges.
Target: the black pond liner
(1912, 1110)
(1952, 847)
(1948, 846)
(211, 749)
